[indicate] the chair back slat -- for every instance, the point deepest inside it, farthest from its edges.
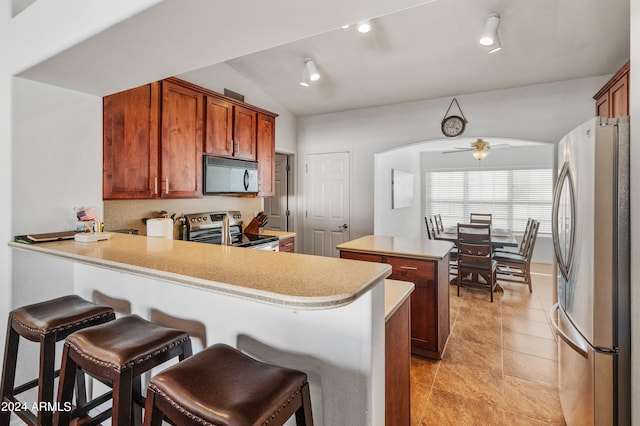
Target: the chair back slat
(439, 226)
(480, 218)
(431, 231)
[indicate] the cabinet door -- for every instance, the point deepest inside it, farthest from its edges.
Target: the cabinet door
(287, 245)
(181, 143)
(130, 143)
(602, 106)
(244, 133)
(266, 154)
(218, 130)
(619, 97)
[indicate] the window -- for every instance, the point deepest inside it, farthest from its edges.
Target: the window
(511, 196)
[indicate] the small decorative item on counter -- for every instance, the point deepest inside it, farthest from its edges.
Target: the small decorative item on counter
(86, 213)
(182, 229)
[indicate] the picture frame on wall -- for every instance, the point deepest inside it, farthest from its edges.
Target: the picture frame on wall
(402, 185)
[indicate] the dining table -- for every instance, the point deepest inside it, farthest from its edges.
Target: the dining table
(499, 237)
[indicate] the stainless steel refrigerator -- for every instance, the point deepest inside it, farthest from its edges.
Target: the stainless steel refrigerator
(591, 229)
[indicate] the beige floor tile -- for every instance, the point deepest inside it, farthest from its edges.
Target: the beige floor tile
(446, 408)
(530, 367)
(536, 315)
(532, 328)
(487, 384)
(530, 345)
(533, 400)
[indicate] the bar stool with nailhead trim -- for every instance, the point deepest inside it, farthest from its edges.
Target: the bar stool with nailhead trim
(46, 322)
(118, 354)
(222, 386)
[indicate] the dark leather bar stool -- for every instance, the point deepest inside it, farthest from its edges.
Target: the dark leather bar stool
(222, 386)
(118, 354)
(47, 323)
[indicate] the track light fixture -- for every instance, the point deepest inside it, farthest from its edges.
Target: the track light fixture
(490, 35)
(312, 69)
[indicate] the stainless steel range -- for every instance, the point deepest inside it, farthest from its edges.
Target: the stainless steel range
(208, 227)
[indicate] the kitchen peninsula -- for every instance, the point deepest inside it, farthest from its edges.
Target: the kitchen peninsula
(321, 315)
(426, 264)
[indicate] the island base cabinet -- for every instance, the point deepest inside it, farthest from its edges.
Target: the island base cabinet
(429, 301)
(398, 367)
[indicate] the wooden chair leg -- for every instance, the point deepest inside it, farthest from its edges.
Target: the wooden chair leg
(304, 416)
(65, 386)
(47, 377)
(152, 416)
(122, 397)
(9, 370)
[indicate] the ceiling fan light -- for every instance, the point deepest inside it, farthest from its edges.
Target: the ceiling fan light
(490, 30)
(311, 69)
(364, 27)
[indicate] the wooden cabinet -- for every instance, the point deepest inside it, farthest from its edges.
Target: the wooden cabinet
(230, 130)
(154, 137)
(266, 154)
(613, 99)
(287, 245)
(429, 301)
(130, 143)
(149, 151)
(181, 142)
(398, 367)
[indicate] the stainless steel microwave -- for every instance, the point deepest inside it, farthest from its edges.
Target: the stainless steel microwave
(229, 176)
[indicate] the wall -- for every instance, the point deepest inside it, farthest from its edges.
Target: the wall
(634, 96)
(542, 113)
(5, 168)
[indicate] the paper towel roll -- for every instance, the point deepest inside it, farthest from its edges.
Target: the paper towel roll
(160, 228)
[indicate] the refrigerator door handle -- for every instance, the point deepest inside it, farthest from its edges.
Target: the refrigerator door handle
(575, 346)
(563, 264)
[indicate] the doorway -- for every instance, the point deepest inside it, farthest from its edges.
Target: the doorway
(278, 207)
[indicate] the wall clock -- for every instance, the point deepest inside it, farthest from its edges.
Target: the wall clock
(453, 125)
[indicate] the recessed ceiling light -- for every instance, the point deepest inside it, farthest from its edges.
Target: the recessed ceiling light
(364, 27)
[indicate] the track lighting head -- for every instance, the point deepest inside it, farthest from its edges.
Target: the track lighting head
(490, 30)
(311, 69)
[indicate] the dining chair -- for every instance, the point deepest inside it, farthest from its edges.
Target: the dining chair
(480, 218)
(476, 266)
(516, 267)
(431, 229)
(439, 226)
(522, 248)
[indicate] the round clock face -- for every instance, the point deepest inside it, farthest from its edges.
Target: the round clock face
(453, 126)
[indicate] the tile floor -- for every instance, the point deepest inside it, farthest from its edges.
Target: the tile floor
(500, 364)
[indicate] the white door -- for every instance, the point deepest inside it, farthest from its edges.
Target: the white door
(327, 213)
(277, 206)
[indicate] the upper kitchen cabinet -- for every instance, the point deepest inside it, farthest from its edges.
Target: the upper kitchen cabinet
(130, 143)
(230, 129)
(266, 154)
(152, 143)
(613, 99)
(181, 141)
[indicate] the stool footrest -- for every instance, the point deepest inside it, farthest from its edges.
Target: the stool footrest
(83, 410)
(31, 384)
(25, 415)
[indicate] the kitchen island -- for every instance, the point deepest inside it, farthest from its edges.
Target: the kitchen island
(426, 264)
(321, 315)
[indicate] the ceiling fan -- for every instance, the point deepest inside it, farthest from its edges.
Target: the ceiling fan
(480, 148)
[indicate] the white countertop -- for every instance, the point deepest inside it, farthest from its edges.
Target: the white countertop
(292, 280)
(403, 247)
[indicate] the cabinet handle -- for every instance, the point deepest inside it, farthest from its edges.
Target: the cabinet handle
(166, 188)
(238, 142)
(410, 268)
(233, 145)
(155, 185)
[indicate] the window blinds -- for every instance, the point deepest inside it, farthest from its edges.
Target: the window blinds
(511, 196)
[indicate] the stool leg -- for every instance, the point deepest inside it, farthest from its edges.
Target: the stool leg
(303, 415)
(65, 386)
(46, 377)
(152, 416)
(137, 409)
(9, 370)
(122, 398)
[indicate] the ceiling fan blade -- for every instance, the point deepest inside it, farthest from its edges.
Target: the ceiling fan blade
(501, 146)
(457, 149)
